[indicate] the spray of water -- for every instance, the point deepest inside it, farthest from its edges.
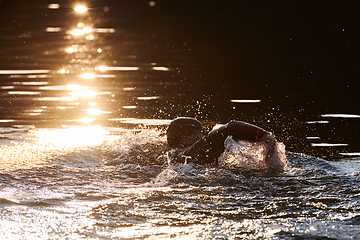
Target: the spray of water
(266, 154)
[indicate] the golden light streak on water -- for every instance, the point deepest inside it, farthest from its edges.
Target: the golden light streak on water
(105, 76)
(6, 120)
(24, 71)
(82, 29)
(104, 30)
(53, 29)
(142, 121)
(70, 99)
(84, 93)
(77, 32)
(93, 111)
(312, 137)
(314, 122)
(128, 88)
(129, 107)
(341, 115)
(54, 6)
(39, 76)
(329, 144)
(105, 68)
(161, 68)
(147, 98)
(87, 30)
(30, 76)
(53, 88)
(351, 154)
(87, 76)
(85, 120)
(245, 101)
(23, 93)
(75, 87)
(31, 83)
(70, 50)
(63, 71)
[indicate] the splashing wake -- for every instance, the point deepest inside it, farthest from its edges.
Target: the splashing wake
(267, 154)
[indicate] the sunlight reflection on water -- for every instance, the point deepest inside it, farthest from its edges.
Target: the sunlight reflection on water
(23, 71)
(40, 144)
(142, 121)
(75, 136)
(96, 182)
(54, 6)
(338, 115)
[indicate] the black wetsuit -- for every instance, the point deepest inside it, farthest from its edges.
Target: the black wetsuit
(208, 149)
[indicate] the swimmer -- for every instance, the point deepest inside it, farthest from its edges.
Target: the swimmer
(192, 143)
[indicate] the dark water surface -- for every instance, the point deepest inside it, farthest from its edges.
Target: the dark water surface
(85, 99)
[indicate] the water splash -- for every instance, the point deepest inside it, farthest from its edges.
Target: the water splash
(267, 154)
(142, 147)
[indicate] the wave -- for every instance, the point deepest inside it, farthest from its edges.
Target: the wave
(140, 157)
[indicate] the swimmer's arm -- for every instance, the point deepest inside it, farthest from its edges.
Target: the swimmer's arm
(209, 148)
(212, 145)
(241, 131)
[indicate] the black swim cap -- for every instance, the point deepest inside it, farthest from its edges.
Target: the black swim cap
(180, 128)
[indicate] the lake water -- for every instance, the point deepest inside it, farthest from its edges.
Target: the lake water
(86, 98)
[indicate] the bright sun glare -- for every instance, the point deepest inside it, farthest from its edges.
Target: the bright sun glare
(80, 9)
(77, 136)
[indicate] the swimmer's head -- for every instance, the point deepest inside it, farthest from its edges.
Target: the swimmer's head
(184, 132)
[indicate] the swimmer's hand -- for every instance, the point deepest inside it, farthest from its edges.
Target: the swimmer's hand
(271, 158)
